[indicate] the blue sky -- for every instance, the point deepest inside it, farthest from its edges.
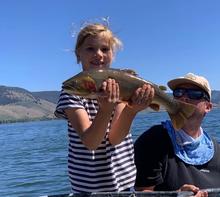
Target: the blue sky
(162, 39)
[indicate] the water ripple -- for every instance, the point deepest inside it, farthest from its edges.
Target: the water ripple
(34, 154)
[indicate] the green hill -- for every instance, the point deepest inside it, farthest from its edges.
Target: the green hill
(18, 104)
(51, 96)
(216, 97)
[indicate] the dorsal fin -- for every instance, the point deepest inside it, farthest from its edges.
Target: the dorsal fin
(130, 71)
(161, 87)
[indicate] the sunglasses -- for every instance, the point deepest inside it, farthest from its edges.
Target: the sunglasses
(193, 94)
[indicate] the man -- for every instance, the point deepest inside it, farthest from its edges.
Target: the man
(183, 160)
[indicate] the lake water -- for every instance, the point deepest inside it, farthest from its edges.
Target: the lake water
(33, 156)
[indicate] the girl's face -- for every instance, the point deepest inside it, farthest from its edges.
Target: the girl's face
(95, 52)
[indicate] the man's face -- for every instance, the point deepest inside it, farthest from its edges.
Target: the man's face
(193, 94)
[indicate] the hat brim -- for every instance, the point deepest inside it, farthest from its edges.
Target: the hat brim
(176, 82)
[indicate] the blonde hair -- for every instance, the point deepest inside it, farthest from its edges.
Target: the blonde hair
(94, 30)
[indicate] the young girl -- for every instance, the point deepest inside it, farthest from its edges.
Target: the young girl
(100, 155)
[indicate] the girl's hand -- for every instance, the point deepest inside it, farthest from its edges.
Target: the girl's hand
(142, 97)
(110, 95)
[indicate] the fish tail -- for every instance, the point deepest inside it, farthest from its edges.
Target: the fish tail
(184, 112)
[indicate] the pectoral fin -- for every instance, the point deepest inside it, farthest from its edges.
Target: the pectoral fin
(154, 106)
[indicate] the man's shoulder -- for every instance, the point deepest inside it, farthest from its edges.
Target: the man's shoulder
(154, 135)
(155, 131)
(155, 142)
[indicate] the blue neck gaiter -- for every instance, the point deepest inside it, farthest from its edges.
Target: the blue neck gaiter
(192, 151)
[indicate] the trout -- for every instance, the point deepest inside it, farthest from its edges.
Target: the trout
(88, 85)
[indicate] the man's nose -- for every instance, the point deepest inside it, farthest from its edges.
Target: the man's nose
(184, 97)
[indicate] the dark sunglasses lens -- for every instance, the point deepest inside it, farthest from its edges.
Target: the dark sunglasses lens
(178, 93)
(190, 93)
(195, 94)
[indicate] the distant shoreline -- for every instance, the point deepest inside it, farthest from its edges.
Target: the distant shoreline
(45, 119)
(25, 120)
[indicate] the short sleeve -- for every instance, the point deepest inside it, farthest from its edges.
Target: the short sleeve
(67, 101)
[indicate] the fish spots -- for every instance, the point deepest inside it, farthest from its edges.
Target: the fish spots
(89, 85)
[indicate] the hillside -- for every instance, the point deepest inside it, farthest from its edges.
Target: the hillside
(51, 96)
(18, 104)
(216, 97)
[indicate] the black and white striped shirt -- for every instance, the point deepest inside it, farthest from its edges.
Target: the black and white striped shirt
(108, 168)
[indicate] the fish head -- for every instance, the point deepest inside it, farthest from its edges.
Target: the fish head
(80, 85)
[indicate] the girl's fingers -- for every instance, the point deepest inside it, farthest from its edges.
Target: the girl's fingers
(143, 95)
(112, 90)
(117, 92)
(104, 86)
(109, 87)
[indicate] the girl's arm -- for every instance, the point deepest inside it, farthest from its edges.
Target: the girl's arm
(125, 114)
(92, 133)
